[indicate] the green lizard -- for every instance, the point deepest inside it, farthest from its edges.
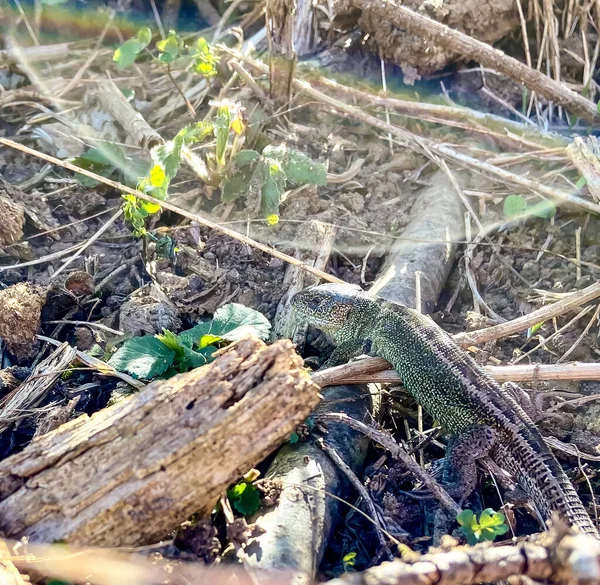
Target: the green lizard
(449, 385)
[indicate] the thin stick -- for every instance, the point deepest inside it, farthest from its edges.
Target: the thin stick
(361, 489)
(578, 252)
(90, 324)
(89, 242)
(544, 342)
(569, 302)
(387, 442)
(98, 365)
(594, 318)
(170, 207)
(47, 258)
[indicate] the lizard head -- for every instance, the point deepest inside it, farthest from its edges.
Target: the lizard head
(326, 306)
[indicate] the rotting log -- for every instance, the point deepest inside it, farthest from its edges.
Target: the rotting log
(131, 473)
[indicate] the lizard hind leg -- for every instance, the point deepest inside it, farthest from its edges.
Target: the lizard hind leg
(460, 466)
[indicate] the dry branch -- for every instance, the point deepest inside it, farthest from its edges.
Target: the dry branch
(569, 302)
(113, 100)
(572, 559)
(377, 371)
(134, 471)
(473, 50)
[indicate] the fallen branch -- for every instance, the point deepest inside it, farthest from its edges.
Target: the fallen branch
(473, 50)
(133, 472)
(567, 303)
(377, 371)
(559, 558)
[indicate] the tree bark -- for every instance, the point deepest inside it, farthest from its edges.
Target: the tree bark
(132, 472)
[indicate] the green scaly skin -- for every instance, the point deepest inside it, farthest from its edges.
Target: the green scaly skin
(449, 385)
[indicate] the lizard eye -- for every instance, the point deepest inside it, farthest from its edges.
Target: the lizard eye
(315, 302)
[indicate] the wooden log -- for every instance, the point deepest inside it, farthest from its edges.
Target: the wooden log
(132, 472)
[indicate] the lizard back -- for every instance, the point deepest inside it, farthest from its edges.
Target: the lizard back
(458, 392)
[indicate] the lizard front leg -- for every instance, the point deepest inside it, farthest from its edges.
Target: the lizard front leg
(347, 350)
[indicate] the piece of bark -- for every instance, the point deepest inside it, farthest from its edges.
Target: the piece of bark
(424, 246)
(13, 220)
(132, 472)
(313, 246)
(474, 50)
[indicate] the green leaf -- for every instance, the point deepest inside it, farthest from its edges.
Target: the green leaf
(272, 187)
(196, 132)
(143, 357)
(582, 181)
(245, 157)
(490, 525)
(192, 336)
(465, 518)
(298, 168)
(544, 209)
(244, 497)
(127, 53)
(167, 156)
(205, 60)
(144, 35)
(234, 321)
(490, 518)
(294, 438)
(514, 205)
(221, 130)
(169, 47)
(534, 329)
(239, 175)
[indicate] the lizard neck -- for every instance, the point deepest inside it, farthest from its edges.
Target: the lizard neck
(359, 322)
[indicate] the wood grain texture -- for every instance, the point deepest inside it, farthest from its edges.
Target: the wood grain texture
(132, 472)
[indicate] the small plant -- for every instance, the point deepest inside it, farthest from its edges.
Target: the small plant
(489, 525)
(199, 54)
(261, 177)
(348, 561)
(244, 495)
(166, 354)
(515, 206)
